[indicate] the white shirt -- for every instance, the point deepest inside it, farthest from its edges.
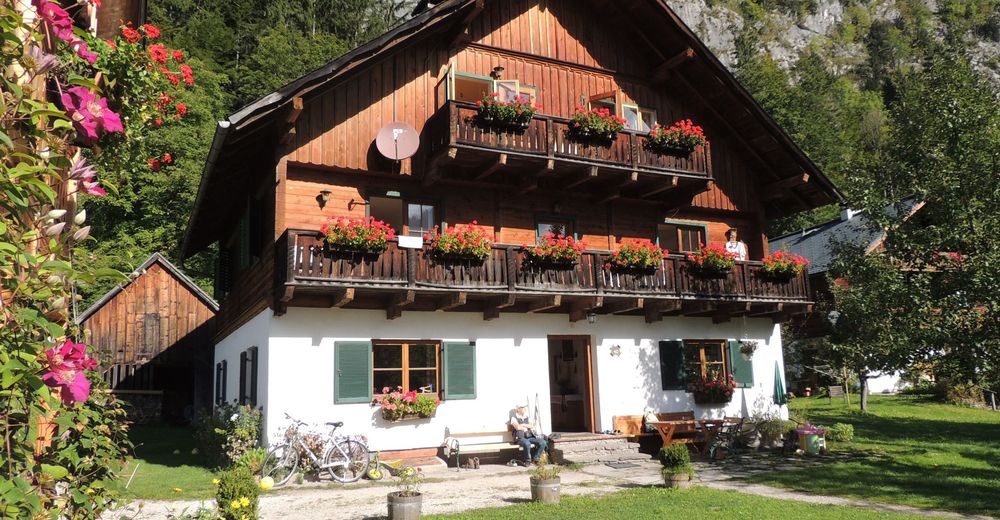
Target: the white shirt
(738, 248)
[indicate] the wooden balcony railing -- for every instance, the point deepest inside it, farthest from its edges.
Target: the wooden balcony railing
(549, 137)
(505, 270)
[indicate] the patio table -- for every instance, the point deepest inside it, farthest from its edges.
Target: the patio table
(667, 429)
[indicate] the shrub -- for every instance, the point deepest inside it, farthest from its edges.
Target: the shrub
(237, 495)
(770, 427)
(544, 470)
(409, 481)
(227, 433)
(840, 432)
(676, 459)
(964, 394)
(252, 460)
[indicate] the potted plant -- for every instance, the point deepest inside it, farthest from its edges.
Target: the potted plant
(783, 266)
(679, 139)
(362, 235)
(639, 256)
(597, 124)
(460, 243)
(557, 251)
(397, 405)
(545, 481)
(677, 471)
(405, 502)
(516, 114)
(715, 389)
(748, 347)
(712, 261)
(769, 429)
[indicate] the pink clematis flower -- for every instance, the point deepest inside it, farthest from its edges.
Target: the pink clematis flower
(57, 18)
(90, 114)
(85, 173)
(67, 364)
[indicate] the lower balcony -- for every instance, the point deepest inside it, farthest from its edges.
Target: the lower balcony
(401, 279)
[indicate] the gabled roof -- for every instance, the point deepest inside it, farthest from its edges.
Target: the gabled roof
(155, 258)
(247, 129)
(855, 228)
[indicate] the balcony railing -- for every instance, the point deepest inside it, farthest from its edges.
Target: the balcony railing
(548, 137)
(506, 271)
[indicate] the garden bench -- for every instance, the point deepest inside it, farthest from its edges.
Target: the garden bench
(457, 443)
(836, 391)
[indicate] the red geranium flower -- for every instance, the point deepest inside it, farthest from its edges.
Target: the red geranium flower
(131, 34)
(158, 53)
(151, 30)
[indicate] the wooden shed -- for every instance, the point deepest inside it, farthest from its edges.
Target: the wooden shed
(153, 336)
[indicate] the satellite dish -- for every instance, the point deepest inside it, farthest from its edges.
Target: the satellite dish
(397, 141)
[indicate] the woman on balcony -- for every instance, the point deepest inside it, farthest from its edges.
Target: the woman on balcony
(735, 246)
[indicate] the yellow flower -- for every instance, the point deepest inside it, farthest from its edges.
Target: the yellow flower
(215, 482)
(244, 501)
(178, 490)
(90, 491)
(244, 517)
(235, 504)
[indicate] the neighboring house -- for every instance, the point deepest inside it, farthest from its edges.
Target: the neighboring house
(817, 244)
(153, 338)
(314, 334)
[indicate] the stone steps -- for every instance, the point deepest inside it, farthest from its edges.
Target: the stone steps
(591, 448)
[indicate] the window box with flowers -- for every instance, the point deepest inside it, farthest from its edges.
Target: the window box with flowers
(782, 266)
(460, 243)
(712, 261)
(636, 257)
(679, 139)
(368, 236)
(397, 405)
(713, 390)
(554, 252)
(596, 124)
(509, 115)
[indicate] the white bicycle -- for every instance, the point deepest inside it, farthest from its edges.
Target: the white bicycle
(344, 459)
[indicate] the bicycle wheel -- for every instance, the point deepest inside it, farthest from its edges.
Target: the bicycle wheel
(350, 468)
(280, 464)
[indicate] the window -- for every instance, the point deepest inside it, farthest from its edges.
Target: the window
(248, 376)
(681, 236)
(470, 87)
(409, 218)
(413, 365)
(608, 100)
(553, 225)
(220, 382)
(705, 359)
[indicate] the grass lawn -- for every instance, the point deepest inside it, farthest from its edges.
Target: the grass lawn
(658, 503)
(917, 452)
(166, 462)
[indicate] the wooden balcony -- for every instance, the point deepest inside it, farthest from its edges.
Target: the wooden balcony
(545, 156)
(412, 279)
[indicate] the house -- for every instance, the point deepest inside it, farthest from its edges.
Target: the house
(314, 334)
(818, 244)
(153, 339)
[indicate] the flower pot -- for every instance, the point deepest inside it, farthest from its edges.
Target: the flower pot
(556, 265)
(677, 480)
(778, 277)
(665, 149)
(350, 253)
(712, 274)
(408, 417)
(404, 507)
(545, 491)
(635, 270)
(710, 399)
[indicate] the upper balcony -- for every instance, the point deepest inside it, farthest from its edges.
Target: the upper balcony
(412, 279)
(545, 156)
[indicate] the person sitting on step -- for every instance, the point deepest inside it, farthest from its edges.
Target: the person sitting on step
(526, 434)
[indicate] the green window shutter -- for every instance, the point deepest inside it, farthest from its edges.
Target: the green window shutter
(459, 370)
(741, 366)
(672, 365)
(352, 372)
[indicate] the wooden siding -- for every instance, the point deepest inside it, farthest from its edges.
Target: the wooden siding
(152, 315)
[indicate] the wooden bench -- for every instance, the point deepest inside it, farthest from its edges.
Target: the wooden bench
(836, 391)
(632, 425)
(473, 442)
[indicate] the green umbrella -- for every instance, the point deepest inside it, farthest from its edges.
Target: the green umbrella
(779, 386)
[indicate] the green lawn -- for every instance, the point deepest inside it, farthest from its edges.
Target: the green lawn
(658, 503)
(916, 452)
(166, 462)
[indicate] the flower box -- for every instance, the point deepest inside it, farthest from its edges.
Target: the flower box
(595, 125)
(459, 244)
(513, 115)
(712, 390)
(639, 257)
(554, 252)
(712, 261)
(679, 139)
(397, 405)
(700, 398)
(407, 417)
(781, 266)
(356, 235)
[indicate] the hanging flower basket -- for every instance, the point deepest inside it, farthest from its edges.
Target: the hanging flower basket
(712, 261)
(597, 125)
(680, 139)
(636, 257)
(554, 252)
(460, 244)
(781, 266)
(366, 236)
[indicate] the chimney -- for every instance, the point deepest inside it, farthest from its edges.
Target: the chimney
(847, 214)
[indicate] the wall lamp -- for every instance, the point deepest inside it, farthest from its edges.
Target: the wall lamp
(497, 72)
(323, 198)
(616, 350)
(352, 203)
(591, 317)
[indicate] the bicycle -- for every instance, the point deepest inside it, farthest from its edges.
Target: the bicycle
(377, 468)
(344, 459)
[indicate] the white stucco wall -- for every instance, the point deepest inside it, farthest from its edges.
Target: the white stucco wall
(296, 367)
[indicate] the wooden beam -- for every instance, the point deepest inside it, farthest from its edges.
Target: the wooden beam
(690, 308)
(580, 308)
(766, 309)
(452, 300)
(662, 71)
(726, 311)
(655, 309)
(546, 303)
(787, 182)
(288, 136)
(493, 168)
(342, 297)
(620, 306)
(295, 110)
(530, 182)
(580, 178)
(492, 308)
(657, 188)
(399, 300)
(607, 197)
(288, 294)
(464, 35)
(442, 158)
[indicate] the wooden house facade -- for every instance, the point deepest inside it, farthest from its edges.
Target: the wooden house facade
(153, 339)
(327, 332)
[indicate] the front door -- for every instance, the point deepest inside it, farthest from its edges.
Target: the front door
(571, 384)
